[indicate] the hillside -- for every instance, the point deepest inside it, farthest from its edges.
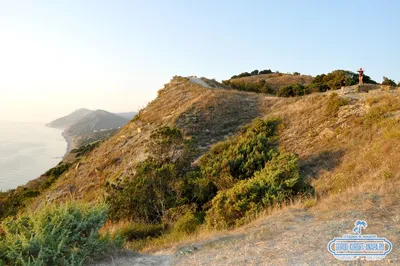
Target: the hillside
(95, 121)
(127, 115)
(210, 115)
(69, 120)
(345, 147)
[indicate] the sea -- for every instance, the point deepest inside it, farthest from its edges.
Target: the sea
(27, 150)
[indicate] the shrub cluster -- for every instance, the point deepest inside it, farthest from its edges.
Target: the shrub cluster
(260, 86)
(13, 200)
(252, 73)
(292, 90)
(277, 182)
(240, 157)
(66, 235)
(234, 180)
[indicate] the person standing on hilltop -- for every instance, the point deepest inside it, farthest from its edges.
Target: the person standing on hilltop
(360, 76)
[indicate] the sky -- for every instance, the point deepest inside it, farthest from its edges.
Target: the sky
(58, 56)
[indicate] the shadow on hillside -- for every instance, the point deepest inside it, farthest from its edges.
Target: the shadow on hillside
(326, 160)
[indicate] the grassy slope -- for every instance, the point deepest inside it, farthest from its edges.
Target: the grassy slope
(349, 152)
(208, 114)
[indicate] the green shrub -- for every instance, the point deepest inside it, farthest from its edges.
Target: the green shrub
(187, 224)
(13, 200)
(134, 231)
(292, 90)
(57, 235)
(159, 182)
(260, 86)
(238, 158)
(277, 182)
(53, 174)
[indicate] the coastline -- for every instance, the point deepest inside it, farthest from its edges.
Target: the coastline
(70, 141)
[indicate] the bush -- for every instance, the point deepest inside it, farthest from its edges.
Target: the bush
(266, 71)
(241, 75)
(159, 182)
(260, 86)
(292, 91)
(240, 157)
(187, 224)
(254, 72)
(277, 182)
(53, 174)
(66, 235)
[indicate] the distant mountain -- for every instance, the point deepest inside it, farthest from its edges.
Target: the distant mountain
(127, 115)
(69, 120)
(98, 120)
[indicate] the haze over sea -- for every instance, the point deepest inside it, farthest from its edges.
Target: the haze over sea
(27, 150)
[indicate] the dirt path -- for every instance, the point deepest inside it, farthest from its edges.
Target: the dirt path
(139, 260)
(295, 237)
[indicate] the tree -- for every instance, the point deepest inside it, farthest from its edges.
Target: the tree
(296, 74)
(388, 82)
(265, 71)
(254, 72)
(292, 90)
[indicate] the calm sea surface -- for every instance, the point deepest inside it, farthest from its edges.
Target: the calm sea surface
(27, 150)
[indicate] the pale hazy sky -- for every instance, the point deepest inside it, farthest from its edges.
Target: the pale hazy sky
(57, 56)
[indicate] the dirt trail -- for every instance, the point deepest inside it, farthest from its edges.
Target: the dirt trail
(295, 237)
(139, 260)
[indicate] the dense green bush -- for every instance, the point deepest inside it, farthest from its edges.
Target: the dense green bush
(260, 86)
(292, 90)
(277, 182)
(187, 223)
(252, 73)
(56, 235)
(239, 157)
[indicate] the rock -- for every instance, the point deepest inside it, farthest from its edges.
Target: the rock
(327, 133)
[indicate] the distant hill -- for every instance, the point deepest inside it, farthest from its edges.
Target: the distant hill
(127, 115)
(69, 120)
(98, 120)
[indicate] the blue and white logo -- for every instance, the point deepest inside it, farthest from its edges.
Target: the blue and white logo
(358, 246)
